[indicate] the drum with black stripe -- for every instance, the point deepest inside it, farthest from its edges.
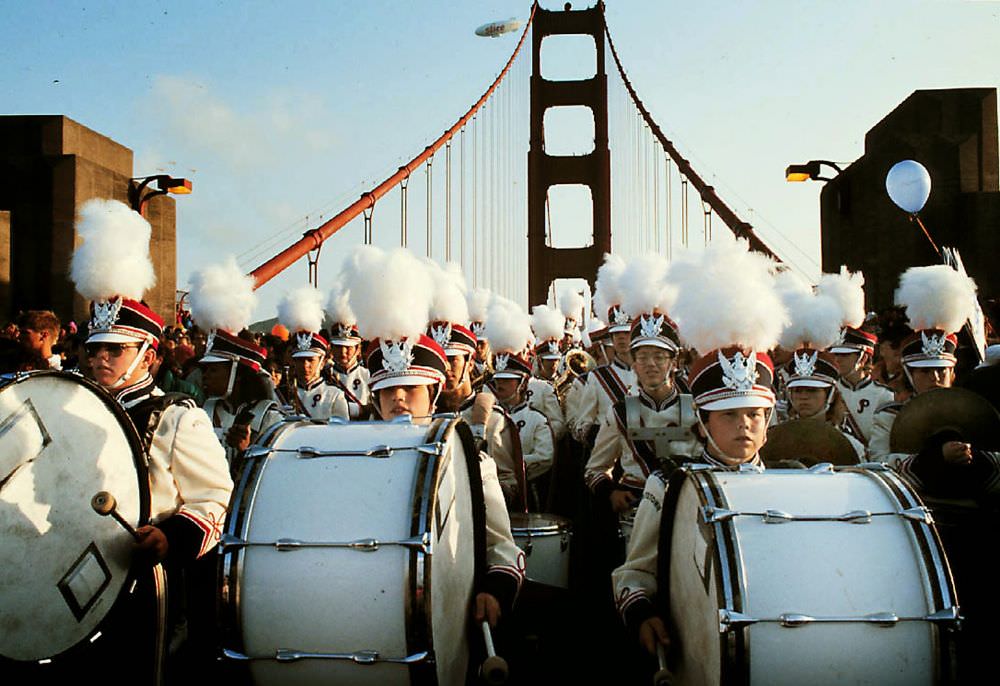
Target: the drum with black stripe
(804, 576)
(351, 552)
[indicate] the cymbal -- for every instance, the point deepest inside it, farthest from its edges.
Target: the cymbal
(809, 441)
(945, 409)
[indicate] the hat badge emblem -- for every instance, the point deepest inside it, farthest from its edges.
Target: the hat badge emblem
(933, 346)
(478, 329)
(741, 373)
(553, 347)
(650, 326)
(303, 341)
(619, 316)
(106, 314)
(500, 363)
(210, 341)
(805, 364)
(396, 356)
(441, 334)
(343, 330)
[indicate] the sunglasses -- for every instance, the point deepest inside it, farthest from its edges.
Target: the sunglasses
(113, 349)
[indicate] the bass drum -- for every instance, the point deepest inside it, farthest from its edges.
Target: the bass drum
(545, 540)
(63, 566)
(798, 576)
(351, 553)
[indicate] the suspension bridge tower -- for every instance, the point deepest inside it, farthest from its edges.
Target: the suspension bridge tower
(546, 262)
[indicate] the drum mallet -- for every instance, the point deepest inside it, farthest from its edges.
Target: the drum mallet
(494, 668)
(105, 504)
(663, 676)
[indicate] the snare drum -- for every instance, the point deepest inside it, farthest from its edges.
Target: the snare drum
(350, 554)
(545, 540)
(62, 565)
(799, 576)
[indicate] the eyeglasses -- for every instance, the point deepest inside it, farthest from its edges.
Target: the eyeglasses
(659, 359)
(113, 349)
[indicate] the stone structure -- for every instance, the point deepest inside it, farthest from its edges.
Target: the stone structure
(49, 166)
(954, 134)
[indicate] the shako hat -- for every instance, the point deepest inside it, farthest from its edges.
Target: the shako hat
(301, 311)
(938, 302)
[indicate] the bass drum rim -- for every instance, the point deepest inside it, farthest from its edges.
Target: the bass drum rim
(142, 476)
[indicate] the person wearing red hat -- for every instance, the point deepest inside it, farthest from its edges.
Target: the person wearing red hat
(302, 313)
(862, 395)
(345, 370)
(733, 399)
(408, 370)
(189, 480)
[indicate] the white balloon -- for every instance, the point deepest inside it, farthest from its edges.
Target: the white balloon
(909, 185)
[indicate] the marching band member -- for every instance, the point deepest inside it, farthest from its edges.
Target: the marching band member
(571, 304)
(301, 313)
(854, 353)
(571, 394)
(938, 302)
(241, 402)
(509, 384)
(547, 325)
(657, 402)
(345, 370)
(479, 300)
(408, 370)
(188, 476)
(811, 374)
(609, 383)
(731, 385)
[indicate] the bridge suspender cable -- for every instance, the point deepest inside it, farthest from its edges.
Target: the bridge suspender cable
(709, 197)
(314, 238)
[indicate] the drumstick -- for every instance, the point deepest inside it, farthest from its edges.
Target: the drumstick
(105, 504)
(494, 669)
(663, 676)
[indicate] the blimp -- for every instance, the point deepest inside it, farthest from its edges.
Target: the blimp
(498, 28)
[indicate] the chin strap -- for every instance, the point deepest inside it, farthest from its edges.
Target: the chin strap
(131, 368)
(232, 378)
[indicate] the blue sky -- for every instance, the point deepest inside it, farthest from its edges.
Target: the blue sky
(283, 111)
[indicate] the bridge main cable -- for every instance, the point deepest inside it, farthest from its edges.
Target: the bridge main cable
(314, 238)
(739, 227)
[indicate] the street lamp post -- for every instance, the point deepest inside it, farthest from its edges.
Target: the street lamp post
(139, 193)
(809, 171)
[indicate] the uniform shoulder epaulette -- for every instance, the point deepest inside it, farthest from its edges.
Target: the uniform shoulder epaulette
(882, 385)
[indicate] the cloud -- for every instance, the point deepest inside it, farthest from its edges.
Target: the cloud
(246, 134)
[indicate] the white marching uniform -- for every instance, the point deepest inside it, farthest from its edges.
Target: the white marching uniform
(505, 561)
(354, 383)
(862, 400)
(541, 395)
(637, 458)
(266, 413)
(537, 443)
(634, 582)
(188, 474)
(572, 402)
(878, 444)
(497, 437)
(605, 386)
(322, 400)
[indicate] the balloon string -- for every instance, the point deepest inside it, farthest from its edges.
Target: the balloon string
(916, 218)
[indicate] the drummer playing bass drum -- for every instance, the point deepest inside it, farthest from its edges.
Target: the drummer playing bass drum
(734, 399)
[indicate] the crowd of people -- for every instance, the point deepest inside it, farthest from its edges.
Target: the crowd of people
(576, 417)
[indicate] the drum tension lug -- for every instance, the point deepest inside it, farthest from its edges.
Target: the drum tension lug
(949, 614)
(918, 514)
(712, 515)
(431, 449)
(822, 468)
(255, 452)
(730, 619)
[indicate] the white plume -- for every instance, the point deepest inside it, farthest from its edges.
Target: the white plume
(479, 300)
(848, 290)
(448, 303)
(726, 296)
(508, 327)
(644, 287)
(789, 284)
(815, 320)
(222, 297)
(114, 257)
(936, 297)
(302, 310)
(607, 291)
(390, 292)
(571, 304)
(338, 305)
(546, 322)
